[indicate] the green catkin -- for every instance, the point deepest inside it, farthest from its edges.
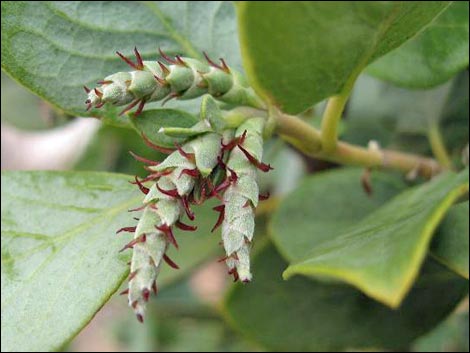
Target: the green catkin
(185, 78)
(219, 156)
(240, 200)
(182, 173)
(164, 211)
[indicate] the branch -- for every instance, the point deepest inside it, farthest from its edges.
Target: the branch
(330, 121)
(309, 140)
(438, 147)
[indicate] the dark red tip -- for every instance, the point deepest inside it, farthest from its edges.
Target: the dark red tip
(198, 198)
(166, 57)
(124, 292)
(224, 66)
(137, 209)
(232, 178)
(154, 176)
(140, 108)
(264, 197)
(221, 187)
(189, 156)
(128, 61)
(194, 173)
(107, 82)
(140, 239)
(185, 227)
(132, 275)
(145, 294)
(235, 142)
(140, 62)
(170, 97)
(234, 272)
(221, 210)
(126, 229)
(165, 70)
(129, 107)
(260, 165)
(140, 318)
(98, 93)
(156, 147)
(222, 259)
(141, 187)
(170, 262)
(171, 193)
(160, 80)
(189, 213)
(142, 159)
(154, 287)
(87, 90)
(180, 61)
(165, 229)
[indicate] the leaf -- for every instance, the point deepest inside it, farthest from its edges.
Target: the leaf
(450, 245)
(433, 56)
(380, 254)
(298, 53)
(311, 316)
(450, 336)
(151, 121)
(60, 260)
(311, 216)
(54, 48)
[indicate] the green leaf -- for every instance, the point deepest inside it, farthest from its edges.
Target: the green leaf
(60, 260)
(311, 316)
(54, 48)
(151, 121)
(298, 53)
(381, 253)
(450, 245)
(450, 336)
(311, 216)
(433, 56)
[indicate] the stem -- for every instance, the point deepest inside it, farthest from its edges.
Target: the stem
(332, 115)
(330, 121)
(438, 148)
(309, 140)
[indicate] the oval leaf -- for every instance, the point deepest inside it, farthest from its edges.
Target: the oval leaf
(298, 53)
(60, 260)
(151, 121)
(311, 212)
(450, 245)
(380, 254)
(433, 56)
(304, 315)
(54, 48)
